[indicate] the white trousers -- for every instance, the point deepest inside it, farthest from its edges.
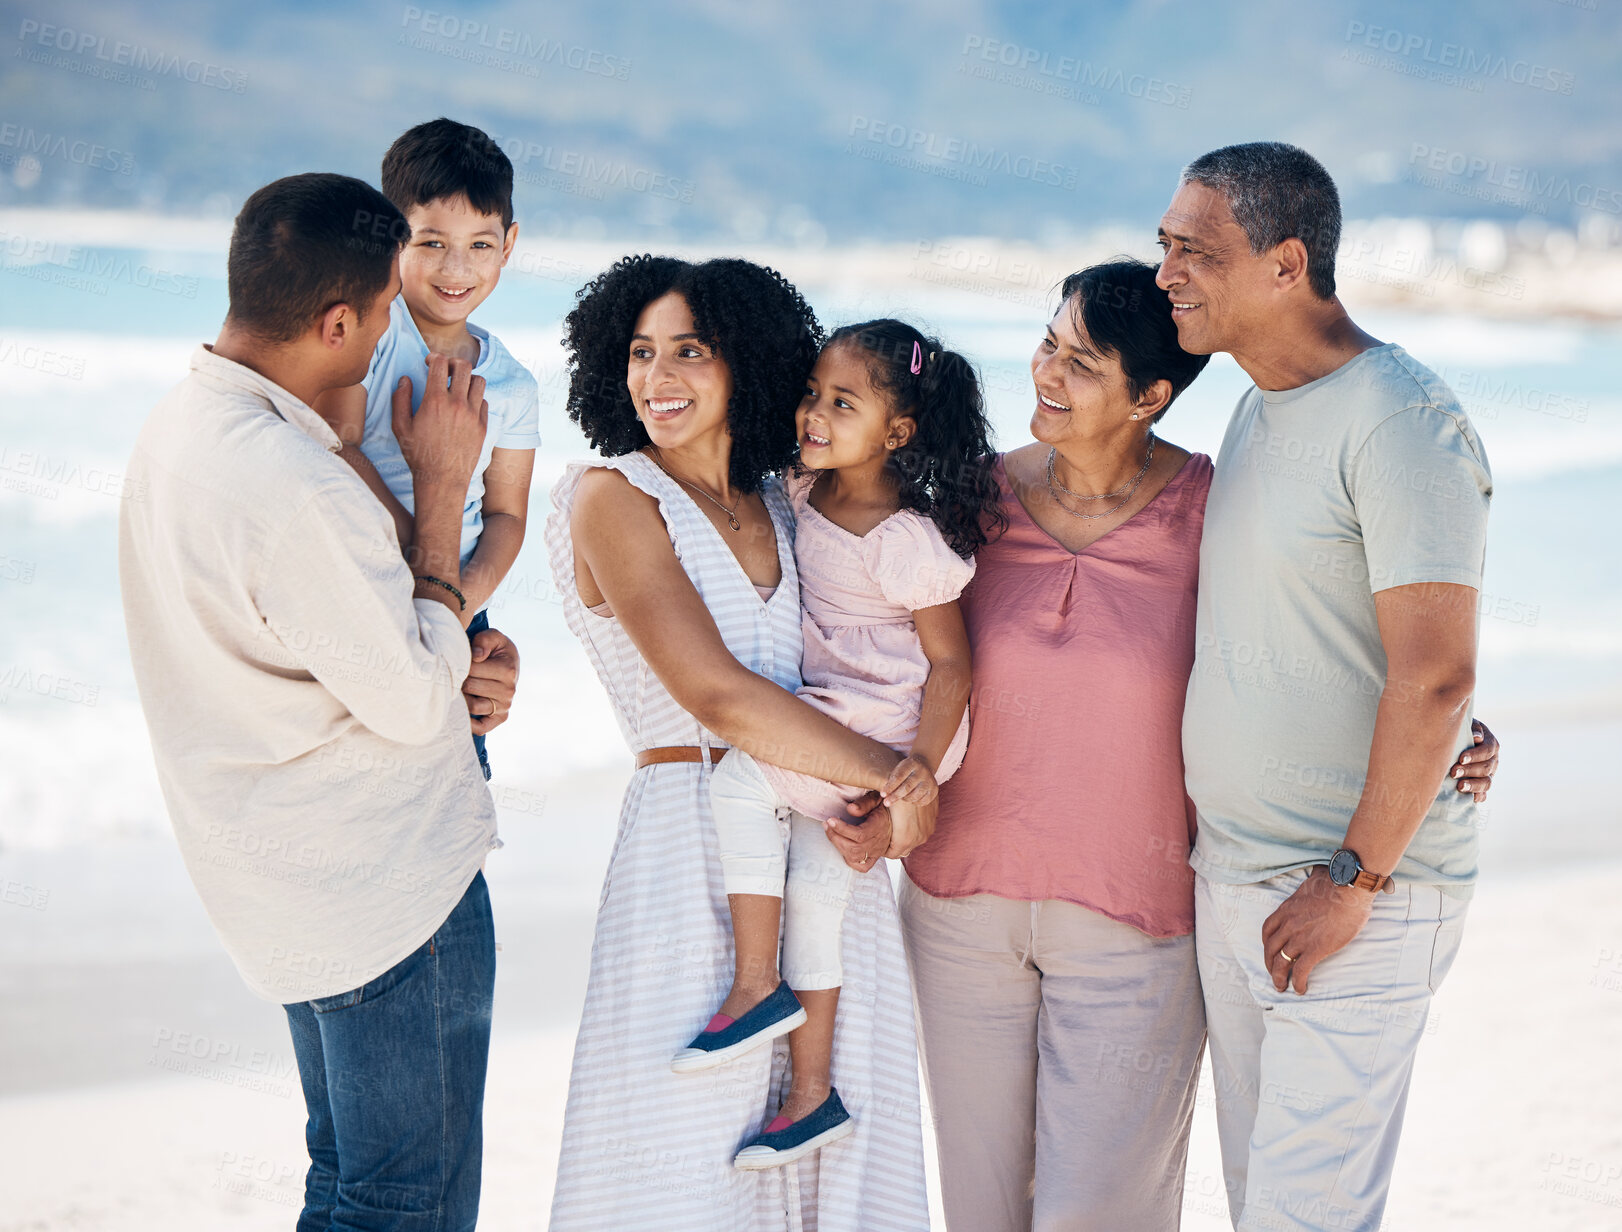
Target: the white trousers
(1310, 1090)
(758, 857)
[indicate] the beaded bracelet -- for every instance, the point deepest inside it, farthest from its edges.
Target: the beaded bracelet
(433, 581)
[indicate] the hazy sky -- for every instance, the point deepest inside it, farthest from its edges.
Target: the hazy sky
(831, 120)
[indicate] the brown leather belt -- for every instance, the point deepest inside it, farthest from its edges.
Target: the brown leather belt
(677, 752)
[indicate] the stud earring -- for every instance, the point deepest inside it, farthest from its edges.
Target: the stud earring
(1134, 414)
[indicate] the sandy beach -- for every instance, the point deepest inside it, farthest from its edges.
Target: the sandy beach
(146, 1089)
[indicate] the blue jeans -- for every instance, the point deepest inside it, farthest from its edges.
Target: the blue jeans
(477, 625)
(393, 1075)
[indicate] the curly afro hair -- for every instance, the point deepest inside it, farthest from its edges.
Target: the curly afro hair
(751, 315)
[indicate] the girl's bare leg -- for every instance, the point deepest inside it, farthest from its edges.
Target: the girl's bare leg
(811, 1050)
(755, 919)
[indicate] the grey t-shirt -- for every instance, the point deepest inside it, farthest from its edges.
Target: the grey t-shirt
(1368, 478)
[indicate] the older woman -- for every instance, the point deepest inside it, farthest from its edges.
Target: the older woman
(675, 561)
(1049, 919)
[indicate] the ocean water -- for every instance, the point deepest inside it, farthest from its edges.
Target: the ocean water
(92, 334)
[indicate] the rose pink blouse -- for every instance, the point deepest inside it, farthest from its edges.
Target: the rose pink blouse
(1072, 786)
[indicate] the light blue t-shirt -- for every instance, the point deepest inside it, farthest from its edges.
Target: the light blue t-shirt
(509, 388)
(1365, 479)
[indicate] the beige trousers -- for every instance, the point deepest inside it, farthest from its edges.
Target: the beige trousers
(1061, 1051)
(1310, 1090)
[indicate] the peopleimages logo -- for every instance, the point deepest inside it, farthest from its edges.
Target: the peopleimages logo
(921, 149)
(588, 170)
(1459, 58)
(116, 52)
(33, 358)
(1034, 68)
(29, 142)
(502, 46)
(1512, 178)
(81, 268)
(43, 474)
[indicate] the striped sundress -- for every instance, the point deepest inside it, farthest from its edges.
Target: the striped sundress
(645, 1148)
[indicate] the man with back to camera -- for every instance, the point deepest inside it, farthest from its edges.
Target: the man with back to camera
(1335, 659)
(304, 693)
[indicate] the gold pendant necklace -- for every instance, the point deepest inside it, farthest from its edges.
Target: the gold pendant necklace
(732, 514)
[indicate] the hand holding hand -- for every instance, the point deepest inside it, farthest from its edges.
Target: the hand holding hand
(911, 782)
(861, 842)
(911, 826)
(1319, 919)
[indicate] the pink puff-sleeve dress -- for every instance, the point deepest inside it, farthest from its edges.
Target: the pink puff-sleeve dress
(863, 664)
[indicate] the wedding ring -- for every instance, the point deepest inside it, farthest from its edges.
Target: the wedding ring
(1285, 956)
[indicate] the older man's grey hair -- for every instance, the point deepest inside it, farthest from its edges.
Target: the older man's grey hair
(1277, 192)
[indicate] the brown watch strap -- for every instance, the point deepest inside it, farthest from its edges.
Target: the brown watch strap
(1373, 882)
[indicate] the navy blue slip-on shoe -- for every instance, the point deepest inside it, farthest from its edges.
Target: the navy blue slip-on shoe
(829, 1123)
(777, 1015)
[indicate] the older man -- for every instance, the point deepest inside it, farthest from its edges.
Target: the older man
(304, 693)
(1334, 668)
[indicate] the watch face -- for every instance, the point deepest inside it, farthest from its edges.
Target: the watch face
(1343, 867)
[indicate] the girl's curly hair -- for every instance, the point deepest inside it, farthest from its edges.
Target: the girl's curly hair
(751, 315)
(946, 467)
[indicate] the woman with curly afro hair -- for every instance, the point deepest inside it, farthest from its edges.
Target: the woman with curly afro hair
(674, 556)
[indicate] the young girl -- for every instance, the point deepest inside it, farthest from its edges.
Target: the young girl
(892, 497)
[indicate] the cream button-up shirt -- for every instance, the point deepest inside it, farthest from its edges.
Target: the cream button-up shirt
(305, 711)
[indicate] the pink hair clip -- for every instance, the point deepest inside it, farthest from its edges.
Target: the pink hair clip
(917, 359)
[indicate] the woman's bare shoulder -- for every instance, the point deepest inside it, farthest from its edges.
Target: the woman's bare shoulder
(611, 514)
(1175, 455)
(1025, 460)
(605, 491)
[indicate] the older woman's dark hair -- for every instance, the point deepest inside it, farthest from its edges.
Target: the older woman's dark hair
(1126, 315)
(751, 315)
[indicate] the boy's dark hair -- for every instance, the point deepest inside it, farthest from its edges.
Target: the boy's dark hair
(1278, 192)
(945, 468)
(1126, 315)
(304, 243)
(442, 159)
(751, 315)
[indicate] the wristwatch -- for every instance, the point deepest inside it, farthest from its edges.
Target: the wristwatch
(1345, 869)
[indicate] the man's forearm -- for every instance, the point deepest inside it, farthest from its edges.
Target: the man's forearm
(1415, 741)
(436, 547)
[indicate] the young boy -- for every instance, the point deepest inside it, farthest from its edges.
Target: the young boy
(454, 186)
